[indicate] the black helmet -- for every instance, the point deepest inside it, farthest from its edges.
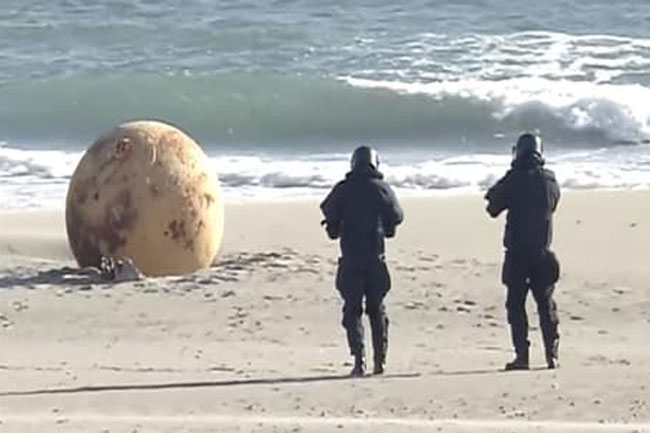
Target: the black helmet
(528, 145)
(364, 157)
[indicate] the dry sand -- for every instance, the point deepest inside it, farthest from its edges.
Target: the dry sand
(255, 344)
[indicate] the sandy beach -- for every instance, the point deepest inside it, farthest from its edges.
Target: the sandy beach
(255, 344)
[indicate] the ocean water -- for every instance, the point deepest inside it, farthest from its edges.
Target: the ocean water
(279, 93)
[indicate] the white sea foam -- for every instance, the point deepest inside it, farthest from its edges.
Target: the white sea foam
(551, 55)
(39, 179)
(620, 112)
(591, 82)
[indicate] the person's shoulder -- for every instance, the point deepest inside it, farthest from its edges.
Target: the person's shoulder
(510, 176)
(548, 174)
(377, 180)
(380, 183)
(340, 184)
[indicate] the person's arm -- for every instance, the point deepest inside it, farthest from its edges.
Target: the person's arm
(497, 196)
(554, 192)
(331, 209)
(392, 214)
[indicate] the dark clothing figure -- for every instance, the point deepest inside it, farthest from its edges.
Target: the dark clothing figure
(530, 194)
(532, 270)
(357, 279)
(361, 210)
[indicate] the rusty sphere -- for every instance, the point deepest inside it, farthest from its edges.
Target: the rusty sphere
(145, 190)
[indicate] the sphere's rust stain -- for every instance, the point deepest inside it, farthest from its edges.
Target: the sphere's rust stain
(82, 195)
(119, 216)
(177, 229)
(120, 213)
(123, 148)
(85, 246)
(82, 191)
(209, 199)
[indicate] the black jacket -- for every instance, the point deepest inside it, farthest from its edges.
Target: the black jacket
(361, 210)
(530, 193)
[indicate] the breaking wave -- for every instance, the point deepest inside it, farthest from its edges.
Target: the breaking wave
(271, 113)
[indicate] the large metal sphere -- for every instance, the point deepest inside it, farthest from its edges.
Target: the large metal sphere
(145, 191)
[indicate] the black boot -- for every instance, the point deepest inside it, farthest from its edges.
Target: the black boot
(379, 327)
(380, 347)
(359, 368)
(521, 344)
(379, 365)
(552, 354)
(520, 362)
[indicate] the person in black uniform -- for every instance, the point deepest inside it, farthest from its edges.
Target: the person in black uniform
(361, 210)
(530, 194)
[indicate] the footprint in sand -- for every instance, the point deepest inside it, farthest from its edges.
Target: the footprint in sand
(19, 306)
(5, 322)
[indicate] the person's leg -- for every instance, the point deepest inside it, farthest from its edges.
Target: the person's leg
(542, 286)
(514, 276)
(377, 285)
(349, 283)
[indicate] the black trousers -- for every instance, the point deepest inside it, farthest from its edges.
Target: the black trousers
(358, 279)
(535, 271)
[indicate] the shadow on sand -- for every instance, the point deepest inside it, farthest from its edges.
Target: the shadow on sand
(205, 384)
(57, 276)
(485, 372)
(251, 382)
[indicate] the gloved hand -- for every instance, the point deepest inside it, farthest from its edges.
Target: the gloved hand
(333, 231)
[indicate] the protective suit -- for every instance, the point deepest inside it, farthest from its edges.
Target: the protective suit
(361, 211)
(530, 194)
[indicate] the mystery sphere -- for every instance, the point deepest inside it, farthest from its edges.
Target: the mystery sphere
(145, 191)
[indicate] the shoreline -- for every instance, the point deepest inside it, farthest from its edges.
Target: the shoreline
(453, 217)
